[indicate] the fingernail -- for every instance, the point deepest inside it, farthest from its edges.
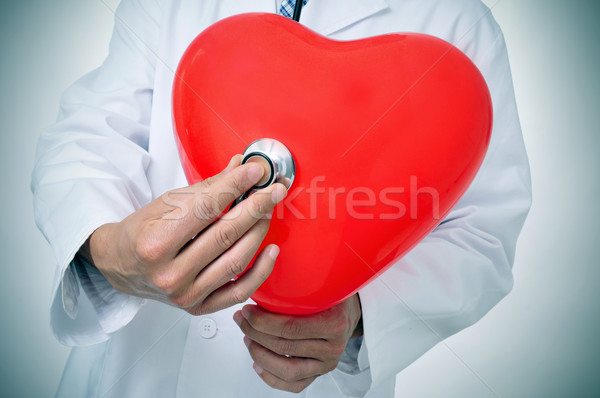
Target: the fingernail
(255, 172)
(279, 192)
(257, 368)
(237, 318)
(247, 342)
(274, 252)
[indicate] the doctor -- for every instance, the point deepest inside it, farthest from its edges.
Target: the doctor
(127, 298)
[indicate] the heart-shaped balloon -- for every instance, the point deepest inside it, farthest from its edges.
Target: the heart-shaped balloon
(387, 134)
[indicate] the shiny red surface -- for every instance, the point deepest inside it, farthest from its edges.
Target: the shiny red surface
(385, 120)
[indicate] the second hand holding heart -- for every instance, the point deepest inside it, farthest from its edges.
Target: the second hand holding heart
(291, 351)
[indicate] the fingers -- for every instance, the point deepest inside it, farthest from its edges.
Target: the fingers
(187, 211)
(229, 264)
(234, 162)
(280, 384)
(283, 373)
(308, 348)
(291, 327)
(290, 351)
(222, 234)
(240, 290)
(335, 324)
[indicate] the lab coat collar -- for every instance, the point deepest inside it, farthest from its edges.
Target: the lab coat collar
(323, 16)
(243, 6)
(329, 16)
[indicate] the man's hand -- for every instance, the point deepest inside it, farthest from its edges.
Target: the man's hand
(182, 250)
(291, 351)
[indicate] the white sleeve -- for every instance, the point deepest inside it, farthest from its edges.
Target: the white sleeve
(91, 169)
(464, 267)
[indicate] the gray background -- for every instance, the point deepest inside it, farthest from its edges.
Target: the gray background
(541, 341)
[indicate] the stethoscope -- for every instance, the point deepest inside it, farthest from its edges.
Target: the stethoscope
(275, 159)
(272, 155)
(298, 10)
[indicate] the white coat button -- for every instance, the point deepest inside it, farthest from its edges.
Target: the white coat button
(208, 328)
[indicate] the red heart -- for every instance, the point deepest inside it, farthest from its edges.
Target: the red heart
(400, 121)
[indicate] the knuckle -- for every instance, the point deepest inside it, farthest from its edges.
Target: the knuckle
(338, 326)
(168, 282)
(227, 235)
(209, 181)
(311, 351)
(284, 347)
(330, 367)
(260, 205)
(340, 329)
(238, 184)
(338, 349)
(254, 320)
(239, 295)
(149, 250)
(291, 328)
(207, 207)
(297, 388)
(235, 266)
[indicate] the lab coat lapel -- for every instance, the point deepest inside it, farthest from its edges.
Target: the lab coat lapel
(323, 16)
(329, 16)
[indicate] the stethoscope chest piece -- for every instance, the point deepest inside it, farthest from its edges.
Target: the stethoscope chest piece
(277, 161)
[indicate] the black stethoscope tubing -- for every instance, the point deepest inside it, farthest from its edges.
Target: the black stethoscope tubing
(298, 10)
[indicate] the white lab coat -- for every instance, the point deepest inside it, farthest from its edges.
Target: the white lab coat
(112, 151)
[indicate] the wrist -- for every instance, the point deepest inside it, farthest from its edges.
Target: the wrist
(358, 329)
(94, 250)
